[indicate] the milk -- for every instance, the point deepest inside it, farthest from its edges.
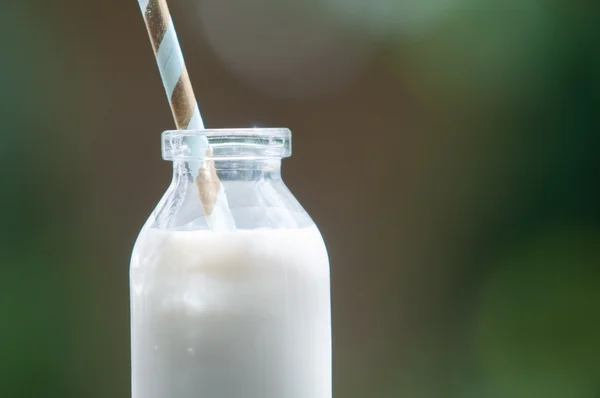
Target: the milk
(242, 314)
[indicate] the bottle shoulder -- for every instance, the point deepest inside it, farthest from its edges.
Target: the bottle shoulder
(255, 204)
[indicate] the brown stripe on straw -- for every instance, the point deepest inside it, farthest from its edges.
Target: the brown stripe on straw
(157, 21)
(183, 101)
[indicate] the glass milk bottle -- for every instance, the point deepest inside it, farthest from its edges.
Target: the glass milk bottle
(234, 313)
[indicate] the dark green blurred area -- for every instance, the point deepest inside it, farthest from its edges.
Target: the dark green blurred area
(455, 178)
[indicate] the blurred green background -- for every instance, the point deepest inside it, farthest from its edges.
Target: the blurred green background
(448, 149)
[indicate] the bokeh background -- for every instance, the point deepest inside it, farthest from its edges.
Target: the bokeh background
(448, 149)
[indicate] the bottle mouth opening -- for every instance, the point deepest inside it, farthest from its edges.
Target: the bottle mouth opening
(227, 144)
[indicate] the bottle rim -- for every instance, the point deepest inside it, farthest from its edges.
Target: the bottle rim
(227, 144)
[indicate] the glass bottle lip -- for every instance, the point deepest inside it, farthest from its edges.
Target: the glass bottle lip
(227, 144)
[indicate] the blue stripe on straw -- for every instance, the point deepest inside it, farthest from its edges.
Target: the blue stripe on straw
(171, 72)
(167, 46)
(196, 122)
(143, 4)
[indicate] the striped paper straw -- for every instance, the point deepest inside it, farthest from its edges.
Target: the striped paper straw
(184, 105)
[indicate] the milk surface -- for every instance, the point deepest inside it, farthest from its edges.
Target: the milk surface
(242, 314)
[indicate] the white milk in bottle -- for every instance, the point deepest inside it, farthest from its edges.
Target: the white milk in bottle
(240, 313)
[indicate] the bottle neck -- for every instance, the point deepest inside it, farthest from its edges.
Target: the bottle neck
(231, 169)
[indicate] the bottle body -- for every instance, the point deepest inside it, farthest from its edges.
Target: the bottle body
(241, 313)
